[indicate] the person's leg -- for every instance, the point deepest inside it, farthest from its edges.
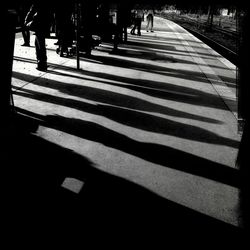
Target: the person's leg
(139, 27)
(25, 42)
(41, 53)
(26, 37)
(87, 42)
(147, 26)
(24, 29)
(152, 24)
(133, 30)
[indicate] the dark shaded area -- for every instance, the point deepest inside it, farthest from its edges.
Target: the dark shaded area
(169, 54)
(152, 68)
(158, 56)
(123, 100)
(153, 88)
(165, 71)
(137, 119)
(243, 164)
(155, 153)
(165, 47)
(148, 37)
(244, 119)
(108, 208)
(6, 67)
(142, 54)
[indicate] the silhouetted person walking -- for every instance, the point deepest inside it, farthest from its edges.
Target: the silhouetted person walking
(38, 20)
(137, 22)
(22, 11)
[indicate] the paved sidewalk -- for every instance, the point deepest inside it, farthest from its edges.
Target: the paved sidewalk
(160, 114)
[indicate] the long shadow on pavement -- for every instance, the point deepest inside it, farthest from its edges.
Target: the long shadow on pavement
(135, 119)
(157, 56)
(107, 205)
(165, 90)
(152, 152)
(156, 89)
(167, 47)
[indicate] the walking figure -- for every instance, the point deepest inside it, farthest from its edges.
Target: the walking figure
(137, 22)
(150, 21)
(38, 20)
(23, 10)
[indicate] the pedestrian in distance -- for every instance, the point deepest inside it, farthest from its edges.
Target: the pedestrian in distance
(150, 21)
(137, 22)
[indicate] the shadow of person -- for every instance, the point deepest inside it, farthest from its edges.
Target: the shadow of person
(141, 120)
(106, 205)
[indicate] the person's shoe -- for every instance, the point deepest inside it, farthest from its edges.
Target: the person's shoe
(26, 45)
(42, 67)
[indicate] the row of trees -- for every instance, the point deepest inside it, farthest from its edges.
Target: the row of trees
(202, 9)
(208, 11)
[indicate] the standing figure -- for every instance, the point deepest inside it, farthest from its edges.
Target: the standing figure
(88, 24)
(22, 11)
(39, 19)
(64, 27)
(150, 21)
(137, 22)
(123, 16)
